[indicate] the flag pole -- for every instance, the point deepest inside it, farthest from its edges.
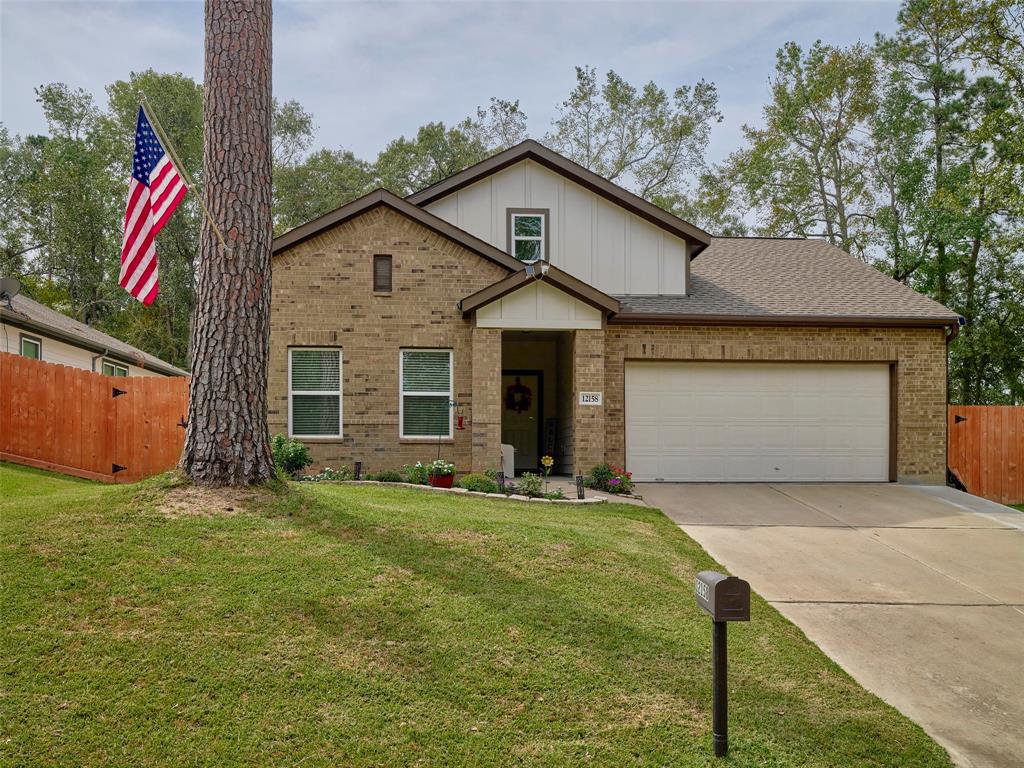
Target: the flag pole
(155, 122)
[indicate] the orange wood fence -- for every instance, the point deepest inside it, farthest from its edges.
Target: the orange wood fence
(108, 428)
(986, 450)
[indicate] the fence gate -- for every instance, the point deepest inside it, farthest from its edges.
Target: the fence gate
(986, 450)
(108, 428)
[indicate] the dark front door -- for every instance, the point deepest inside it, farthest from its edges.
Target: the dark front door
(522, 407)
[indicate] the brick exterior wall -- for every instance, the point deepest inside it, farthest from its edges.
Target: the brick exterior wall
(322, 296)
(919, 356)
(590, 425)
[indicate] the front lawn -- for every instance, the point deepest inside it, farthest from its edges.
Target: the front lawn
(365, 626)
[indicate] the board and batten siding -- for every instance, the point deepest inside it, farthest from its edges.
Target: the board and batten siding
(591, 238)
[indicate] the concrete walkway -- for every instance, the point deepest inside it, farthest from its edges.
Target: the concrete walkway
(918, 593)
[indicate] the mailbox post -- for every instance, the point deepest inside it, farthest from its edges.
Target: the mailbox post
(725, 599)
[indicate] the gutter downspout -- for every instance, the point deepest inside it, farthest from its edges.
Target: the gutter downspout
(104, 353)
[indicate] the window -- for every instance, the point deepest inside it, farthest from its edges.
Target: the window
(426, 393)
(314, 392)
(382, 273)
(114, 369)
(527, 233)
(31, 347)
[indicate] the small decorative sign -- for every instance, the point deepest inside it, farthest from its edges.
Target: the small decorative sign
(590, 398)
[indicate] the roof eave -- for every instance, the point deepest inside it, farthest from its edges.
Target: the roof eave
(380, 197)
(838, 321)
(561, 280)
(20, 321)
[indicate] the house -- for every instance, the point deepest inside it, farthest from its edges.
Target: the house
(530, 302)
(28, 328)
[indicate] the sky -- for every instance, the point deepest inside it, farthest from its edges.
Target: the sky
(370, 72)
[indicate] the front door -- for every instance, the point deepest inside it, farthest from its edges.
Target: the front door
(521, 416)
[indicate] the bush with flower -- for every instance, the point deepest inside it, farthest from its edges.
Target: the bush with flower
(611, 479)
(328, 475)
(440, 468)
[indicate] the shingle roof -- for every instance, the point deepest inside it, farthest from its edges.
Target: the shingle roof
(804, 279)
(32, 315)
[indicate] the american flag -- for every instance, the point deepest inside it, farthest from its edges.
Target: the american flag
(155, 191)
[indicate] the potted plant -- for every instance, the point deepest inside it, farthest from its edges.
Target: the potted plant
(441, 473)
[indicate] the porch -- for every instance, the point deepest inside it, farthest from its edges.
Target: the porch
(527, 387)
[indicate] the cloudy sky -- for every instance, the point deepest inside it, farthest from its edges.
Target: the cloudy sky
(372, 71)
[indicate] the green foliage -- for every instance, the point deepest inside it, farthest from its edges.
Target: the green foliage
(386, 476)
(291, 455)
(440, 468)
(609, 478)
(530, 485)
(556, 495)
(416, 473)
(352, 612)
(478, 482)
(645, 139)
(329, 475)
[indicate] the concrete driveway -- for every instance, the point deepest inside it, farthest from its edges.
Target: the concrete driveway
(918, 593)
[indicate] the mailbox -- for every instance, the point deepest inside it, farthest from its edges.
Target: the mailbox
(726, 598)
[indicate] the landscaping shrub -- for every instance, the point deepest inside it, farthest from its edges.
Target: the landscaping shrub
(291, 455)
(417, 473)
(386, 476)
(478, 482)
(530, 485)
(441, 468)
(558, 493)
(612, 479)
(328, 475)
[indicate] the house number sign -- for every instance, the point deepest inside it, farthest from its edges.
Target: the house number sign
(590, 398)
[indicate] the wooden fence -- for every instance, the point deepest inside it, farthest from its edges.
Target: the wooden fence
(986, 450)
(109, 428)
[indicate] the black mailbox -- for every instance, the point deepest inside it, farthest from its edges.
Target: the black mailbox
(725, 598)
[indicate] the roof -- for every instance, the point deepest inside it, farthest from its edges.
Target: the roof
(787, 281)
(533, 150)
(381, 197)
(33, 316)
(554, 276)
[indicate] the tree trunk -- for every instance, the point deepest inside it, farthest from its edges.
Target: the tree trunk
(227, 441)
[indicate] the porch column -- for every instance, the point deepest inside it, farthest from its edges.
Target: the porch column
(588, 420)
(486, 404)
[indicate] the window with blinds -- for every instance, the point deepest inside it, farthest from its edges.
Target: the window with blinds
(382, 273)
(314, 392)
(426, 384)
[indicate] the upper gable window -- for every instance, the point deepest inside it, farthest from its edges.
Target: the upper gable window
(528, 233)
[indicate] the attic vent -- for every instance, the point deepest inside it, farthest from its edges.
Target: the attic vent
(382, 273)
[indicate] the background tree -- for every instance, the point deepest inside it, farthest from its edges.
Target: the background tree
(437, 152)
(806, 170)
(227, 441)
(643, 139)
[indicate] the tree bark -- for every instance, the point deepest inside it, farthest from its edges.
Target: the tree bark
(227, 442)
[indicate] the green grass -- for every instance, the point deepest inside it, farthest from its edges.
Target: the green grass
(1018, 507)
(364, 626)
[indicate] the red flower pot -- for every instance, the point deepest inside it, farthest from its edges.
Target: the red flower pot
(442, 481)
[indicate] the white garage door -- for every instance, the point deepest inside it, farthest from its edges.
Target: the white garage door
(734, 422)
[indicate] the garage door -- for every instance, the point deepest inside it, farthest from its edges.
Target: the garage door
(757, 422)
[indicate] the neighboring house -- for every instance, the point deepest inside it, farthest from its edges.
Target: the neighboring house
(401, 328)
(28, 328)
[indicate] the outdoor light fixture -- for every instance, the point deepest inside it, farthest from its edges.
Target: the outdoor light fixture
(724, 598)
(533, 271)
